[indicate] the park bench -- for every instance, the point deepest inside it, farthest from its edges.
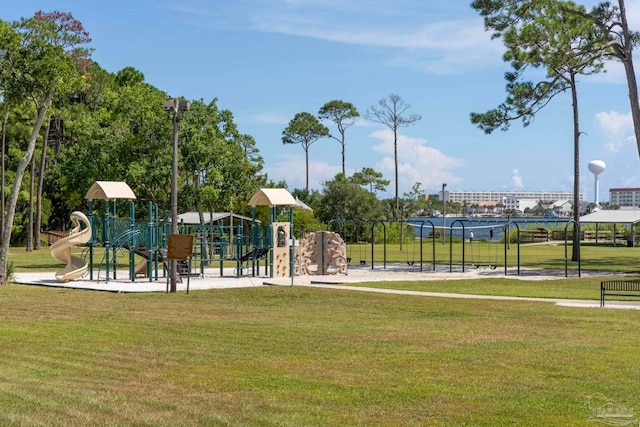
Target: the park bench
(539, 234)
(605, 235)
(619, 288)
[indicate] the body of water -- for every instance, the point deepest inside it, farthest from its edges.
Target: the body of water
(482, 227)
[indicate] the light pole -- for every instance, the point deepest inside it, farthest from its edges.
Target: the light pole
(175, 109)
(444, 213)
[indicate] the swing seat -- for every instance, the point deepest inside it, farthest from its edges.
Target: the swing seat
(409, 262)
(363, 262)
(348, 260)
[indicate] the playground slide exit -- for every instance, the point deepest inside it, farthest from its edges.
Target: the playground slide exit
(61, 250)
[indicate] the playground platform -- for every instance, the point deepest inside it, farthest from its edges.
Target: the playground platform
(211, 280)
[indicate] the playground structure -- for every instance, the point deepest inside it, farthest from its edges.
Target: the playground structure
(321, 253)
(75, 267)
(224, 240)
(219, 240)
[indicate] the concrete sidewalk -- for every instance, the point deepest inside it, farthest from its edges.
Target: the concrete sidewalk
(213, 280)
(631, 305)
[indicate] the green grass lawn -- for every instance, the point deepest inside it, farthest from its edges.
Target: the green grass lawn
(566, 288)
(299, 356)
(315, 357)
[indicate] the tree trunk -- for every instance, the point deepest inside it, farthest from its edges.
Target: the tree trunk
(2, 195)
(627, 61)
(343, 156)
(395, 160)
(633, 100)
(576, 171)
(15, 189)
(306, 155)
(32, 184)
(43, 161)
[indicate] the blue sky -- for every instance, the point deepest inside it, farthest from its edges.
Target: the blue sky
(266, 60)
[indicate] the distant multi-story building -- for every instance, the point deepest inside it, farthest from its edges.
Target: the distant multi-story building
(624, 196)
(509, 199)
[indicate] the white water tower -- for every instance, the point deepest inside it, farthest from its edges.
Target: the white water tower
(597, 167)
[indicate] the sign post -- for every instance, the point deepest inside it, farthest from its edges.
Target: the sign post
(180, 248)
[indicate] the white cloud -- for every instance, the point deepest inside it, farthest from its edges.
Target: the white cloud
(633, 13)
(438, 47)
(516, 179)
(616, 128)
(445, 35)
(435, 37)
(417, 162)
(290, 167)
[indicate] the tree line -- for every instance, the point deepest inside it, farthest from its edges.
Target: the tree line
(67, 123)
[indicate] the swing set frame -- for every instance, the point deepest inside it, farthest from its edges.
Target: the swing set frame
(458, 229)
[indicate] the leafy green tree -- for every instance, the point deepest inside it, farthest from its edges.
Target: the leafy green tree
(247, 170)
(222, 167)
(409, 206)
(39, 57)
(110, 132)
(304, 129)
(368, 177)
(248, 144)
(389, 209)
(200, 142)
(618, 41)
(538, 33)
(540, 208)
(390, 112)
(17, 131)
(344, 115)
(305, 221)
(432, 204)
(311, 198)
(347, 200)
(141, 150)
(129, 76)
(412, 202)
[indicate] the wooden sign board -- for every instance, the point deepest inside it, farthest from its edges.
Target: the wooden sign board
(180, 246)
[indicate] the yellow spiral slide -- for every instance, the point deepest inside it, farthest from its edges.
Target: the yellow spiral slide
(61, 250)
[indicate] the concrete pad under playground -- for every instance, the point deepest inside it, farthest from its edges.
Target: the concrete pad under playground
(356, 274)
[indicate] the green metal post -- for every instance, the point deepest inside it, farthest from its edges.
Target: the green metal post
(106, 225)
(150, 249)
(93, 234)
(132, 242)
(272, 218)
(114, 254)
(239, 253)
(292, 247)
